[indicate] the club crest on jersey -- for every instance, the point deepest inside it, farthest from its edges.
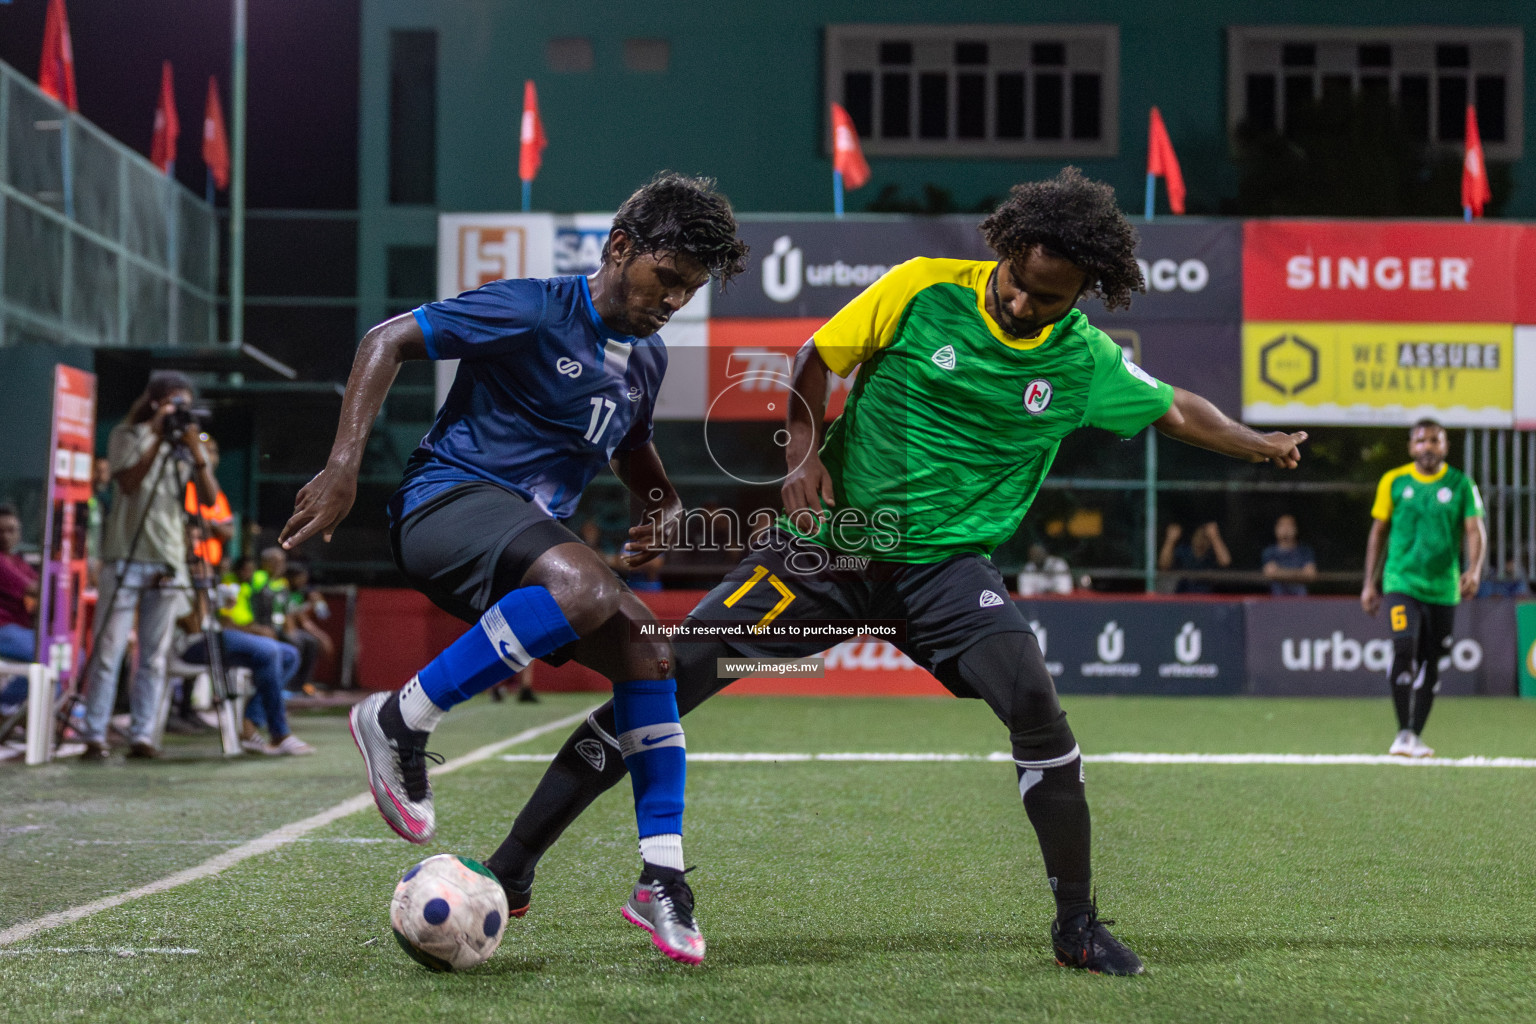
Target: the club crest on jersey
(944, 358)
(634, 394)
(1037, 396)
(570, 367)
(989, 599)
(1444, 494)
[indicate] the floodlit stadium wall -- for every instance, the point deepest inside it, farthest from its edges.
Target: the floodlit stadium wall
(1281, 322)
(1208, 646)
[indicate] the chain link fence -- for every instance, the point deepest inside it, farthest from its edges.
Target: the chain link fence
(99, 248)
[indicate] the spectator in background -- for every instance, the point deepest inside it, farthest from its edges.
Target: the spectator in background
(144, 556)
(1510, 583)
(1044, 573)
(1288, 566)
(18, 601)
(216, 516)
(303, 609)
(1205, 552)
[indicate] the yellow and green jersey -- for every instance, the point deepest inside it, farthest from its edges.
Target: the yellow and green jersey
(952, 423)
(1428, 515)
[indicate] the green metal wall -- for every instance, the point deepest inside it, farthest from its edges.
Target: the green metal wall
(743, 100)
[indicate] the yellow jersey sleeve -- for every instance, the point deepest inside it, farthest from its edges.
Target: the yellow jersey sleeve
(1382, 508)
(869, 322)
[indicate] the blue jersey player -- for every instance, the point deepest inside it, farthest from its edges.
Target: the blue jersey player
(557, 379)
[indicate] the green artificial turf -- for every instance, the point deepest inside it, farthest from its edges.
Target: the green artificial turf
(828, 891)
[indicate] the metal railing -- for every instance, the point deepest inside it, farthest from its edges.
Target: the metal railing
(97, 246)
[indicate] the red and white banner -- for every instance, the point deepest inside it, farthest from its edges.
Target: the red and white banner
(68, 492)
(1399, 272)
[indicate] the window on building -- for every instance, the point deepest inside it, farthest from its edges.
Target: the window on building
(569, 54)
(413, 116)
(650, 55)
(979, 90)
(1430, 74)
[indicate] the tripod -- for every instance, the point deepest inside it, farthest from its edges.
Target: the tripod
(177, 462)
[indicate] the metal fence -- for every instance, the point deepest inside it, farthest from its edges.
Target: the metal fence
(97, 246)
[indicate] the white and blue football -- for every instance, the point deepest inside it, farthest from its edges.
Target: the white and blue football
(449, 912)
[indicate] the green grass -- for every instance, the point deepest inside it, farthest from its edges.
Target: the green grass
(828, 891)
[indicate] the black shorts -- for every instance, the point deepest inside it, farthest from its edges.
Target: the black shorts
(1428, 626)
(472, 545)
(946, 606)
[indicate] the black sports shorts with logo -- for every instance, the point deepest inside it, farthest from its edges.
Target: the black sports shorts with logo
(1426, 626)
(946, 606)
(470, 546)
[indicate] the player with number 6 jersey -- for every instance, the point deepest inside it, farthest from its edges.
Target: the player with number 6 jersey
(556, 380)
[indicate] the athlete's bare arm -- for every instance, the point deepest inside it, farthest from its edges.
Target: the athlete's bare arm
(1375, 557)
(1196, 421)
(807, 489)
(325, 501)
(1476, 533)
(645, 476)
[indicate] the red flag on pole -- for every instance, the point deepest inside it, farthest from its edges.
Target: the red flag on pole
(1162, 163)
(847, 157)
(56, 74)
(162, 150)
(215, 141)
(1474, 171)
(531, 152)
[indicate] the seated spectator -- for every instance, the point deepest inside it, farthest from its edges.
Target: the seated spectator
(18, 602)
(1288, 566)
(301, 610)
(1510, 583)
(1044, 573)
(1205, 552)
(272, 664)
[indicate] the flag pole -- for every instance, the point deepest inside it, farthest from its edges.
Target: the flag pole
(527, 195)
(837, 193)
(237, 188)
(1466, 214)
(1151, 194)
(208, 185)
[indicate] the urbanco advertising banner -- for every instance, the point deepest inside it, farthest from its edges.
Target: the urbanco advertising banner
(1356, 373)
(1325, 646)
(1389, 271)
(1140, 647)
(812, 267)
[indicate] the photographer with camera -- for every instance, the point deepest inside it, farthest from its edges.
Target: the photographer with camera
(153, 454)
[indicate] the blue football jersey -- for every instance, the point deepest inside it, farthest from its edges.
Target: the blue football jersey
(544, 396)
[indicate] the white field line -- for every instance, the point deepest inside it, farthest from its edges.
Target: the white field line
(1119, 758)
(122, 951)
(273, 840)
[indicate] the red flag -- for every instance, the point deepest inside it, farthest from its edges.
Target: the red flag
(1162, 163)
(215, 142)
(56, 74)
(531, 151)
(162, 150)
(1474, 171)
(847, 157)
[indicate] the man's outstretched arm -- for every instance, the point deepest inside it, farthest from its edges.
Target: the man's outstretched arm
(1194, 420)
(645, 476)
(325, 501)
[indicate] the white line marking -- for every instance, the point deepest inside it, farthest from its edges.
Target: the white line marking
(702, 757)
(123, 951)
(265, 844)
(214, 842)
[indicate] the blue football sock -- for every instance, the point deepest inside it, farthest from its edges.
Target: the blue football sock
(651, 740)
(524, 625)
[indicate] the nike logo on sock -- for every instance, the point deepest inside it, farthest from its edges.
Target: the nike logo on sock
(651, 741)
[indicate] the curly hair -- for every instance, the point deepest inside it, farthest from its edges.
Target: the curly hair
(681, 214)
(1074, 218)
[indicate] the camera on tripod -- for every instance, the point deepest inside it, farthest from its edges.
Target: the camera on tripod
(183, 415)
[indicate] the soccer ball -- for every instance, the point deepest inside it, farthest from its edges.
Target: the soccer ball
(449, 913)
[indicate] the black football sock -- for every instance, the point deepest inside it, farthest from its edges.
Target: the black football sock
(1424, 693)
(1057, 804)
(587, 766)
(1402, 689)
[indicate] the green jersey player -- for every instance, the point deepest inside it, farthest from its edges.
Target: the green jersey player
(969, 376)
(1423, 514)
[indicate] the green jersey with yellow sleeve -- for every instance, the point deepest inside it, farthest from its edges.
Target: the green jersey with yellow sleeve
(952, 423)
(1428, 515)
